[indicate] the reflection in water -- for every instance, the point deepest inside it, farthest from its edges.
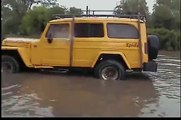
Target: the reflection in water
(62, 94)
(50, 94)
(167, 82)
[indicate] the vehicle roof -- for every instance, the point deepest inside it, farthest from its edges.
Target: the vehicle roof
(96, 19)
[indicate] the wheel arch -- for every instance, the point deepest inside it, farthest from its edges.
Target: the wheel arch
(18, 54)
(120, 57)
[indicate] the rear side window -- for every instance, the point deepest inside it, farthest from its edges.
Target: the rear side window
(124, 31)
(88, 30)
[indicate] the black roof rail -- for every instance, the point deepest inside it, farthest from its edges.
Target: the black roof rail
(58, 16)
(88, 14)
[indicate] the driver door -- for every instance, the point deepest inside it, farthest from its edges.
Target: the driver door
(56, 53)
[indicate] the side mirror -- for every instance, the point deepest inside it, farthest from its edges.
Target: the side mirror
(50, 38)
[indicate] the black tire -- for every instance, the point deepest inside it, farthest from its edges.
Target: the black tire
(9, 64)
(109, 64)
(153, 46)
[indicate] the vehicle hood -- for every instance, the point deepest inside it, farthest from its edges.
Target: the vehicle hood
(19, 42)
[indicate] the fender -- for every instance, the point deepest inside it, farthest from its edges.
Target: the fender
(23, 52)
(113, 53)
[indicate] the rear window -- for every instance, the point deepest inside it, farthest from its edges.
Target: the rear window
(124, 31)
(88, 30)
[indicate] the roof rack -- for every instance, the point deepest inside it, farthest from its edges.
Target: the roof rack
(88, 14)
(100, 15)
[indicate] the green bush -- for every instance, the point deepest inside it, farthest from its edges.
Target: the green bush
(169, 39)
(33, 21)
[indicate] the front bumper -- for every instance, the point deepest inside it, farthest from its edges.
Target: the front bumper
(150, 66)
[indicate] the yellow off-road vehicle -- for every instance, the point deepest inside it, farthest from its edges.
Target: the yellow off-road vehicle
(107, 44)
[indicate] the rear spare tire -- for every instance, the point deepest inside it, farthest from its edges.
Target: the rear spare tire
(153, 46)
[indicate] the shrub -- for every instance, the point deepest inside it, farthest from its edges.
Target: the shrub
(169, 39)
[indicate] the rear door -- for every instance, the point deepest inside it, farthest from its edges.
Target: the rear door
(88, 42)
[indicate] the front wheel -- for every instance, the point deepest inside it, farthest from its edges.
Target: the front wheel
(110, 70)
(9, 64)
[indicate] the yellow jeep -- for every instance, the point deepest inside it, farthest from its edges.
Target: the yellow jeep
(108, 45)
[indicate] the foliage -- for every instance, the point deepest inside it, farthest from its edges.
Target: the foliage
(24, 17)
(169, 39)
(74, 10)
(164, 21)
(132, 7)
(166, 13)
(34, 21)
(29, 17)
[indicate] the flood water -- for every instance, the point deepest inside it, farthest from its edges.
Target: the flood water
(49, 94)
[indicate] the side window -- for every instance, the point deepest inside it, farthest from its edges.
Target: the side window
(58, 31)
(89, 30)
(126, 31)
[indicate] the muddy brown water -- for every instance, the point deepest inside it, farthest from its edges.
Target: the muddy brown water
(49, 94)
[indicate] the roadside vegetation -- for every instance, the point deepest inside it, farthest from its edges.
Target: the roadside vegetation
(29, 17)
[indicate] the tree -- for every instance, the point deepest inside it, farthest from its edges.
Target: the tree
(14, 10)
(44, 3)
(132, 7)
(166, 13)
(56, 10)
(34, 22)
(22, 6)
(12, 13)
(160, 19)
(74, 10)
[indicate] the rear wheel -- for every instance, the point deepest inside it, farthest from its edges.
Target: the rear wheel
(109, 70)
(9, 64)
